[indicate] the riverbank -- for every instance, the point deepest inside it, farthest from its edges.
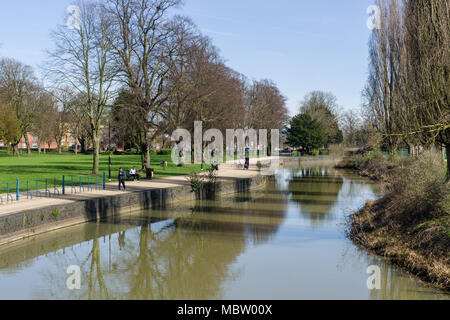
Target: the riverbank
(19, 220)
(410, 224)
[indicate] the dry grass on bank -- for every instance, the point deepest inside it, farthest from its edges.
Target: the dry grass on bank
(411, 223)
(374, 164)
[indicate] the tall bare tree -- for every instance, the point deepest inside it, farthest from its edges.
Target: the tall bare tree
(42, 119)
(427, 39)
(141, 47)
(382, 94)
(83, 60)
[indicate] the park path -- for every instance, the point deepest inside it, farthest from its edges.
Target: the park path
(226, 171)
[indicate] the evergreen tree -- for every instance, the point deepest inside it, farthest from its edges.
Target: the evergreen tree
(305, 132)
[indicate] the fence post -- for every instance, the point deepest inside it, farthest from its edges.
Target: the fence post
(64, 185)
(80, 183)
(104, 180)
(17, 190)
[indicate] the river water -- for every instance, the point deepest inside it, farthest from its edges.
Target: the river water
(284, 241)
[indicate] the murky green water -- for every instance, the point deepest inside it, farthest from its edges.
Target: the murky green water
(285, 241)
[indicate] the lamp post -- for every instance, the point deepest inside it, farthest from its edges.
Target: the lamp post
(109, 149)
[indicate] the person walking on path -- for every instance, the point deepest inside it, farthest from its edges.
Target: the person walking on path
(121, 178)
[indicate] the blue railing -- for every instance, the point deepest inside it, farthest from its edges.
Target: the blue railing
(19, 189)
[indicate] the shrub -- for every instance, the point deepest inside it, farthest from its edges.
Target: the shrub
(165, 152)
(55, 213)
(364, 159)
(195, 181)
(419, 190)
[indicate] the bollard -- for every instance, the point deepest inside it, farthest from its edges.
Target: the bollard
(17, 190)
(64, 185)
(104, 180)
(28, 190)
(80, 183)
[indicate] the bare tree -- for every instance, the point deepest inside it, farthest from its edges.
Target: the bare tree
(382, 93)
(83, 61)
(191, 50)
(427, 39)
(266, 106)
(42, 119)
(351, 124)
(141, 47)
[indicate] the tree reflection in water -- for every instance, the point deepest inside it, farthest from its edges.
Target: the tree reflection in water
(316, 191)
(185, 258)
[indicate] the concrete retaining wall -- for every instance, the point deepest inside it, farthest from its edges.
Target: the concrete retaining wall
(31, 222)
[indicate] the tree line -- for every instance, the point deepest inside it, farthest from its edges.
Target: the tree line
(407, 92)
(135, 66)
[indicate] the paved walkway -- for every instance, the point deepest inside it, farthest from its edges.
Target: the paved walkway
(227, 170)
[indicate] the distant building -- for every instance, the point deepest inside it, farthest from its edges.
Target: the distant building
(67, 141)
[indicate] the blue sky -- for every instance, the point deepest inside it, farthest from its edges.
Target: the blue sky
(302, 45)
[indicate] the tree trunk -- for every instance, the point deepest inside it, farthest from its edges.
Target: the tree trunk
(142, 160)
(148, 157)
(16, 150)
(59, 146)
(96, 147)
(27, 143)
(145, 154)
(83, 145)
(76, 148)
(447, 152)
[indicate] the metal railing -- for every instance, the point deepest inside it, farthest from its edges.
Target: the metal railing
(11, 191)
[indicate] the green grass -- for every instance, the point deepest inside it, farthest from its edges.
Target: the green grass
(52, 166)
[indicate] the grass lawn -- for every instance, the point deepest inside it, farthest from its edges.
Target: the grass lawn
(52, 166)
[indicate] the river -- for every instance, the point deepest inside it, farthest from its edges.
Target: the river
(284, 241)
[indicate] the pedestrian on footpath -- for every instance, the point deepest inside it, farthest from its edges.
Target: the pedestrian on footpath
(121, 178)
